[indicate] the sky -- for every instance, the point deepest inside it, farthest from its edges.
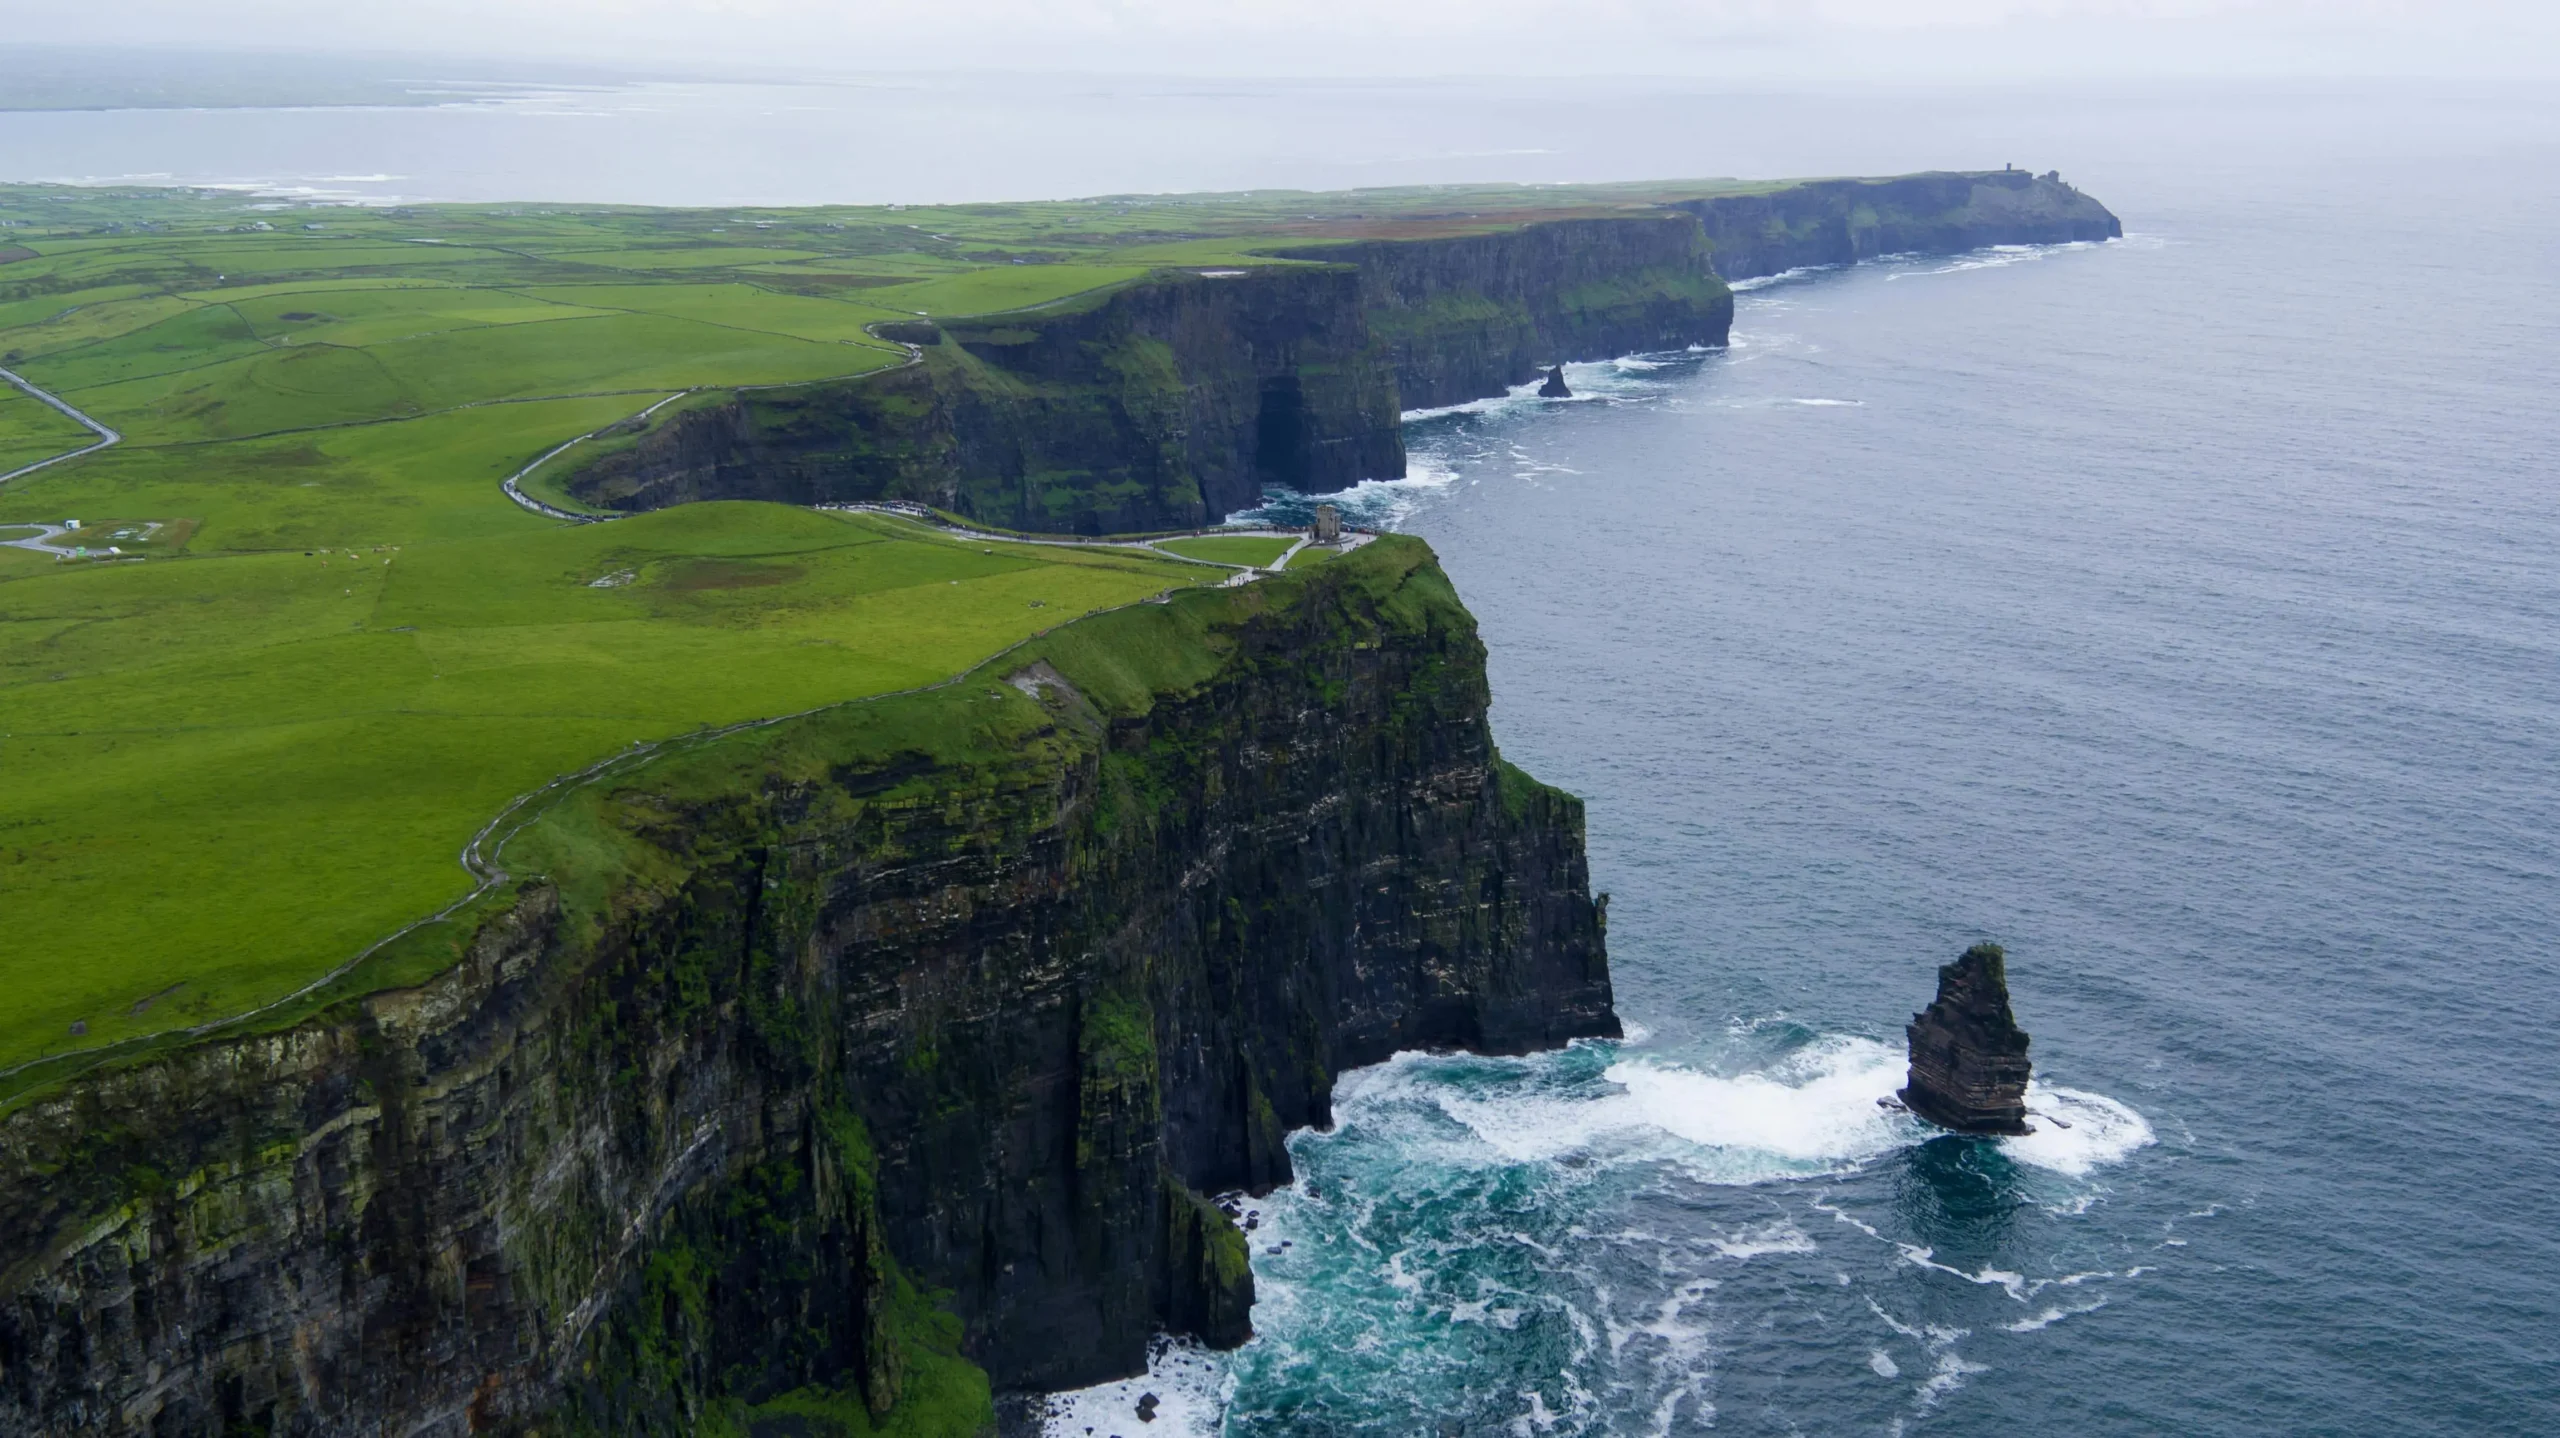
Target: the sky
(1782, 41)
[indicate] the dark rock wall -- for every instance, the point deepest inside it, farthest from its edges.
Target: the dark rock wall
(1173, 401)
(953, 1004)
(1163, 404)
(1838, 222)
(1467, 317)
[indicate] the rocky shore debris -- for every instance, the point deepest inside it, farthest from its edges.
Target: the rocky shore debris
(1968, 1056)
(1555, 387)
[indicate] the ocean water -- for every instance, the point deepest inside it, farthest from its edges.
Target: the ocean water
(2182, 613)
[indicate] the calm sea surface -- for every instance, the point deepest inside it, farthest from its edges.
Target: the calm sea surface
(2183, 613)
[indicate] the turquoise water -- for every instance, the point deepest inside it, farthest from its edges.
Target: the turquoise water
(2179, 613)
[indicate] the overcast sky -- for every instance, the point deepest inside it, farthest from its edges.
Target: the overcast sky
(1740, 40)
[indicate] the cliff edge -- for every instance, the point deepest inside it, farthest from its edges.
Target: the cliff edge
(1840, 222)
(852, 1065)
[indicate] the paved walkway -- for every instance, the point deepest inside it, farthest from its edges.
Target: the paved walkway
(105, 435)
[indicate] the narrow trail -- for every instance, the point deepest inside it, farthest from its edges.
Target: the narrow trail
(105, 435)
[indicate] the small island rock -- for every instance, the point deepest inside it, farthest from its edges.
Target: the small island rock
(1968, 1056)
(1555, 387)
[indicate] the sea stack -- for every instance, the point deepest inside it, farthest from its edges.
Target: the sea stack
(1555, 387)
(1968, 1055)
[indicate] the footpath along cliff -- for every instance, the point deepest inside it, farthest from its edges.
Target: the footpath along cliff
(1172, 401)
(842, 1069)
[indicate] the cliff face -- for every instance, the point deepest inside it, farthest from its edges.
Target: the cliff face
(831, 1058)
(1173, 401)
(1463, 318)
(1163, 404)
(1838, 222)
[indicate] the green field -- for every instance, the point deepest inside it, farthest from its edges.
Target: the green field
(31, 430)
(1257, 550)
(235, 763)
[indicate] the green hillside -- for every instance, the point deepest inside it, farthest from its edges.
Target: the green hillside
(329, 647)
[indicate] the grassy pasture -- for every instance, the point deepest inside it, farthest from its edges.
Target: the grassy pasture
(31, 430)
(1010, 287)
(1257, 550)
(738, 307)
(229, 775)
(712, 257)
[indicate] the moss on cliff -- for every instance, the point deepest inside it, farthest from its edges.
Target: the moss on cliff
(835, 1073)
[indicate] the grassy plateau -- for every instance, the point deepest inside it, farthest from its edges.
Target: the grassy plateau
(252, 744)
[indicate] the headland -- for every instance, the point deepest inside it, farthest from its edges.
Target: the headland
(878, 941)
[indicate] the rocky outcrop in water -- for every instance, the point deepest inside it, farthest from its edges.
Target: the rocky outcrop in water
(855, 1061)
(1968, 1056)
(1555, 387)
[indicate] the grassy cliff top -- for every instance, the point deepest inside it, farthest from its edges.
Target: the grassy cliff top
(313, 647)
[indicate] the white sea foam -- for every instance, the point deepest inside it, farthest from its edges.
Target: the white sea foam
(1759, 1240)
(1817, 1107)
(1762, 282)
(1815, 1112)
(1773, 401)
(1996, 257)
(1189, 1381)
(2054, 1315)
(2101, 1131)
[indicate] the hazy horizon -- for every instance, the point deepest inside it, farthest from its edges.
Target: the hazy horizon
(1936, 42)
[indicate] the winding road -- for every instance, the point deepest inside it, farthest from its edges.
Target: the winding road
(105, 435)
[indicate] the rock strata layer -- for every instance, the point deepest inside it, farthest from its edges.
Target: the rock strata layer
(1969, 1064)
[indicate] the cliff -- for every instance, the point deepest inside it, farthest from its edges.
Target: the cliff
(1167, 403)
(1838, 222)
(1173, 401)
(831, 1071)
(1466, 317)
